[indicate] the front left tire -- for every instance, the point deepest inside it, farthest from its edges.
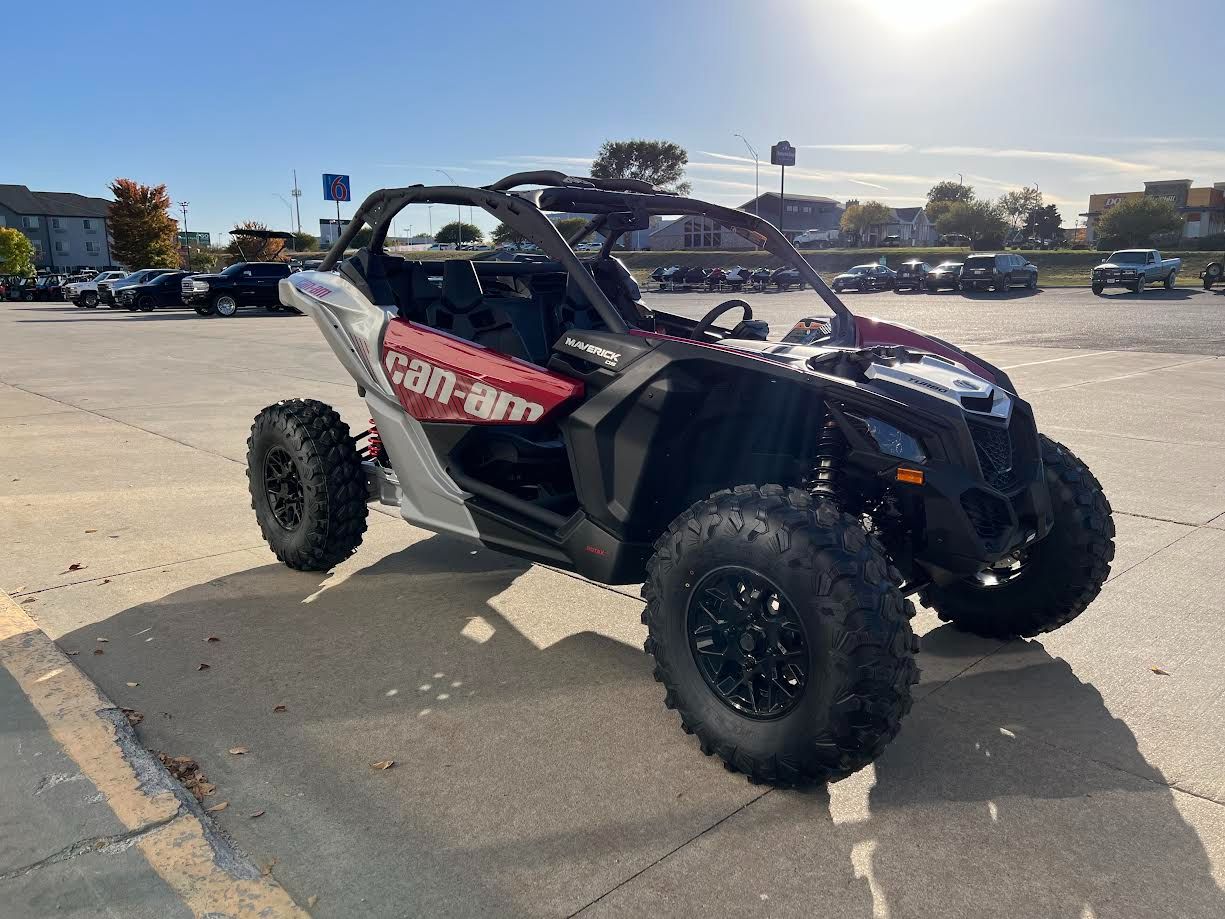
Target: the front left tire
(779, 634)
(225, 305)
(308, 488)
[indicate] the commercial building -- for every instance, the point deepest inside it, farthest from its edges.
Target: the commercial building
(68, 231)
(1202, 209)
(329, 231)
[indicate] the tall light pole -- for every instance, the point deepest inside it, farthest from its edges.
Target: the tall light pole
(429, 212)
(297, 199)
(186, 238)
(289, 207)
(459, 210)
(960, 181)
(756, 169)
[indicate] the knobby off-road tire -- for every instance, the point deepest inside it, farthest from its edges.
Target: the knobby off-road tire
(324, 469)
(1060, 575)
(857, 642)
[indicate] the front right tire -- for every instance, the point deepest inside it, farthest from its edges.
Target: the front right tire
(779, 634)
(308, 488)
(1056, 578)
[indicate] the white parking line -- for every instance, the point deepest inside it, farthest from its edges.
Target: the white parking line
(1055, 360)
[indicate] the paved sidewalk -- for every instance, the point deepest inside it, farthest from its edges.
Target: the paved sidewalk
(90, 823)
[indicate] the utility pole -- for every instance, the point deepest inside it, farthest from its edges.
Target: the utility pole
(756, 169)
(297, 200)
(459, 211)
(186, 238)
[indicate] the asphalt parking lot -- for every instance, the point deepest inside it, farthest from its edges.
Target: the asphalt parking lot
(537, 771)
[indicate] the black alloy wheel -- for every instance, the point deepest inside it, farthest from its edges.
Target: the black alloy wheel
(748, 642)
(283, 487)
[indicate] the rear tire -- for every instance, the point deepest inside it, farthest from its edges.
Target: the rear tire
(1170, 279)
(307, 485)
(1061, 574)
(800, 592)
(1003, 284)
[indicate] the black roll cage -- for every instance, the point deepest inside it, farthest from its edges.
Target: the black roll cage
(619, 205)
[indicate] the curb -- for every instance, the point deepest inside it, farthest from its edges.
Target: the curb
(181, 844)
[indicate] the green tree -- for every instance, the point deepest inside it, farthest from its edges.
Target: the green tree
(859, 218)
(1136, 221)
(659, 162)
(568, 226)
(305, 242)
(944, 194)
(143, 234)
(1016, 205)
(503, 235)
(451, 233)
(1044, 223)
(16, 253)
(979, 220)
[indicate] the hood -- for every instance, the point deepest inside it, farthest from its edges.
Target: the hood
(1118, 266)
(201, 277)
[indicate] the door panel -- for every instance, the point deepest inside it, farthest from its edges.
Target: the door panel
(438, 377)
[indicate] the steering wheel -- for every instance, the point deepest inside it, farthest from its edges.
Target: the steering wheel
(708, 320)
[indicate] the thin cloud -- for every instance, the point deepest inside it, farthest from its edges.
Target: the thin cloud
(1086, 159)
(723, 183)
(860, 148)
(422, 167)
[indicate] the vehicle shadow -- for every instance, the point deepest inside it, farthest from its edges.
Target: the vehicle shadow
(1149, 293)
(1016, 293)
(536, 769)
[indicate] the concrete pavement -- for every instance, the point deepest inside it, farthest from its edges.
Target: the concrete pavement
(537, 772)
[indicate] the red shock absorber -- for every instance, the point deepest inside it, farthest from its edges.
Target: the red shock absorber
(374, 444)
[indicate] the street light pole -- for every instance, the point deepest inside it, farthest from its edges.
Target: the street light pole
(459, 211)
(293, 243)
(756, 169)
(186, 238)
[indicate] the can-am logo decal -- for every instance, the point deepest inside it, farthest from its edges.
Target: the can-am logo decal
(315, 290)
(610, 357)
(480, 400)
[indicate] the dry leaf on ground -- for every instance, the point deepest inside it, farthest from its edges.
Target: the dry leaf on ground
(75, 566)
(91, 531)
(97, 650)
(203, 667)
(102, 639)
(312, 900)
(134, 717)
(217, 808)
(256, 814)
(1159, 671)
(239, 751)
(383, 764)
(212, 638)
(133, 684)
(280, 709)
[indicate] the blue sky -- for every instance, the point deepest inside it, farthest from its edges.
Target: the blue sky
(222, 100)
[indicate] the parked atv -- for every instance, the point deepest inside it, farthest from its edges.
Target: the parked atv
(736, 278)
(780, 500)
(786, 278)
(716, 279)
(761, 277)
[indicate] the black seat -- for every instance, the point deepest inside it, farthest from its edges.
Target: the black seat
(368, 273)
(463, 310)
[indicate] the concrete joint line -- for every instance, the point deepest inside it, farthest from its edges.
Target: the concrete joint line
(160, 817)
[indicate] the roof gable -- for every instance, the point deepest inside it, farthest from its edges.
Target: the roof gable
(20, 199)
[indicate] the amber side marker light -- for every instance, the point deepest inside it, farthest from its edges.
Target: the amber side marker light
(912, 476)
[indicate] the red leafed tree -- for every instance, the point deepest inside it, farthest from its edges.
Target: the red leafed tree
(143, 234)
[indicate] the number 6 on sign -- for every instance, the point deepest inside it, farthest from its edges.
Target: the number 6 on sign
(335, 187)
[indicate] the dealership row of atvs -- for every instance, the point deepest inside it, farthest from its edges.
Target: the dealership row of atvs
(685, 277)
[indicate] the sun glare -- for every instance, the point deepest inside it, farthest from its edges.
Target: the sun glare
(920, 15)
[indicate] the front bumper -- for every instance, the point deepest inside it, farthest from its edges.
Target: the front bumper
(1117, 279)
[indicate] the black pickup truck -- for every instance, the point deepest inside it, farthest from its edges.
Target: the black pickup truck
(244, 284)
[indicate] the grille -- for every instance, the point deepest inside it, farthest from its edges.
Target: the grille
(994, 448)
(988, 514)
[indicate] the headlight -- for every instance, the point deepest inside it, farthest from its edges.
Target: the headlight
(889, 440)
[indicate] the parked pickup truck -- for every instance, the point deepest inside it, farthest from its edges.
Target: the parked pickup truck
(85, 293)
(1134, 268)
(244, 284)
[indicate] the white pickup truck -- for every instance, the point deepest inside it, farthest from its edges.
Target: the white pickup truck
(1134, 268)
(85, 293)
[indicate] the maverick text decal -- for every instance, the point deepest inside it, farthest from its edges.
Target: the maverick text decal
(480, 400)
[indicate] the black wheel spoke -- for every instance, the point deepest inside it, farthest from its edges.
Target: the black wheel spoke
(748, 642)
(283, 488)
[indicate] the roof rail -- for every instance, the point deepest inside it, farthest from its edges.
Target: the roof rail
(552, 178)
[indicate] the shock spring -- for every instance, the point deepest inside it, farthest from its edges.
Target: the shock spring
(827, 464)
